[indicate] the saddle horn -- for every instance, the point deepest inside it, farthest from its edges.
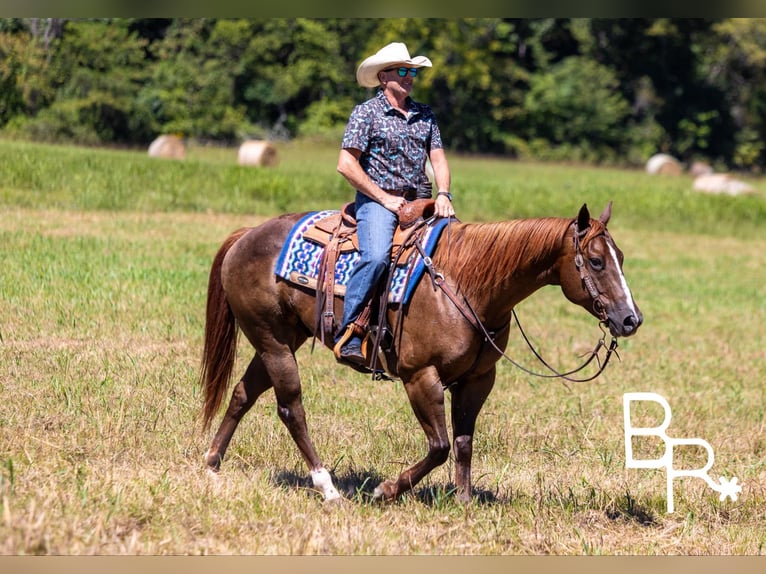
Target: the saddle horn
(413, 211)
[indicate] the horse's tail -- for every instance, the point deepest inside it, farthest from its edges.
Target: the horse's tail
(220, 347)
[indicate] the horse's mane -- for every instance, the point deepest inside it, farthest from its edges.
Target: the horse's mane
(480, 255)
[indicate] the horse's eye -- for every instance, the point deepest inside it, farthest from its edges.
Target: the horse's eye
(596, 263)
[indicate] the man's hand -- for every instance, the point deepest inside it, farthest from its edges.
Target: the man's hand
(392, 202)
(443, 206)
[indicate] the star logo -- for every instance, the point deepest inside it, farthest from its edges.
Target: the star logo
(729, 488)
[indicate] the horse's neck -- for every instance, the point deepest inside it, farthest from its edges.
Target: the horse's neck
(499, 264)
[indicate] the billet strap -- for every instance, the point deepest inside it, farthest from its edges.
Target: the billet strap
(330, 257)
(324, 319)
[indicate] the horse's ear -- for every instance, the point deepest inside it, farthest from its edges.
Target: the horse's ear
(607, 213)
(583, 218)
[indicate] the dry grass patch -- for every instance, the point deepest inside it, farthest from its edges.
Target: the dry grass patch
(101, 449)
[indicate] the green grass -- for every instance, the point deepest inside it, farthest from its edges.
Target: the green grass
(105, 256)
(35, 176)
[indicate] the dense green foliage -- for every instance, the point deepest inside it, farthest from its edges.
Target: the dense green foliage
(599, 90)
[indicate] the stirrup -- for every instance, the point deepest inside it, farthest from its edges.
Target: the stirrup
(350, 331)
(377, 374)
(366, 347)
(347, 334)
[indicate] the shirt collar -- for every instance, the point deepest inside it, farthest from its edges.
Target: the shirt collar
(388, 108)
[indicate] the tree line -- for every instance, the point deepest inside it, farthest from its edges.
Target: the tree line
(612, 91)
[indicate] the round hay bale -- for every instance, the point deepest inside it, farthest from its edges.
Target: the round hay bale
(663, 164)
(699, 168)
(257, 153)
(721, 183)
(168, 147)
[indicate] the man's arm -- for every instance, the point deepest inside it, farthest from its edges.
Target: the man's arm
(348, 167)
(443, 180)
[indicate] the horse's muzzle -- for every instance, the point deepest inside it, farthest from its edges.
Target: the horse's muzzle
(624, 323)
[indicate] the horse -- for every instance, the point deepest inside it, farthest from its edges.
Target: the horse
(492, 266)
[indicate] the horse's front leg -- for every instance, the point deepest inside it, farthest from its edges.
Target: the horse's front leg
(426, 396)
(468, 397)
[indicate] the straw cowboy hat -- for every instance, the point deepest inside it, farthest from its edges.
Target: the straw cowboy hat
(393, 54)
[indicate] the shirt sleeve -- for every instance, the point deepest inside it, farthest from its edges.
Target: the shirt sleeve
(357, 134)
(436, 136)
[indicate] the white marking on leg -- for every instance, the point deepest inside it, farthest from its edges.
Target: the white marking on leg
(623, 282)
(323, 482)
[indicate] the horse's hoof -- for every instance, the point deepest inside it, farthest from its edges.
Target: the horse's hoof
(330, 504)
(332, 495)
(213, 461)
(383, 492)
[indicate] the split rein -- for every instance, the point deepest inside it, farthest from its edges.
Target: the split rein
(470, 314)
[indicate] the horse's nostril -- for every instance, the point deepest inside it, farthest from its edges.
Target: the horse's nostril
(631, 321)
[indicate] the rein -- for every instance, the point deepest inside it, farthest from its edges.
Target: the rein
(470, 314)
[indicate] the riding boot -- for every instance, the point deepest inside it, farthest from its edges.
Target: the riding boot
(349, 346)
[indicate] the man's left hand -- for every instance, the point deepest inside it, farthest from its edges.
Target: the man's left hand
(443, 207)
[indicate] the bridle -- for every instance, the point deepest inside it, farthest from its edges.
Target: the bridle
(470, 314)
(587, 281)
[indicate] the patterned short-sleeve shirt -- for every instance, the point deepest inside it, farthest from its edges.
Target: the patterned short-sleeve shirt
(394, 147)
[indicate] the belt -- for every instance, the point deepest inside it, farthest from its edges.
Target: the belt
(405, 193)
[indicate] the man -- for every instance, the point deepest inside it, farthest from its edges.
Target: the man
(386, 144)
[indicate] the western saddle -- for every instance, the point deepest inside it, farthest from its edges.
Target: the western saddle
(337, 234)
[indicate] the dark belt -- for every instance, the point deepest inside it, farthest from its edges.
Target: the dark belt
(408, 194)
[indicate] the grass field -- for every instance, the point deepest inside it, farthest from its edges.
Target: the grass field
(105, 256)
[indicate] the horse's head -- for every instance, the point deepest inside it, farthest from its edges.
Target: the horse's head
(591, 274)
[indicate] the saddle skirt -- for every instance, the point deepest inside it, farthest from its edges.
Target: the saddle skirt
(300, 259)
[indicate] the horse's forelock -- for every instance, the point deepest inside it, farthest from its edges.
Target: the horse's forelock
(595, 229)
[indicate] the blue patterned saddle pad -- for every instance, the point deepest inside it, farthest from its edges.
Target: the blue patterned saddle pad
(299, 260)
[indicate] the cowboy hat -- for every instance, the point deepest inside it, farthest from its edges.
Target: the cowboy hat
(389, 55)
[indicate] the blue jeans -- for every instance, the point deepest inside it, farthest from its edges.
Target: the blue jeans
(375, 228)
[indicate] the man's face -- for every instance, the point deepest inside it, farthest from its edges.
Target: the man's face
(398, 79)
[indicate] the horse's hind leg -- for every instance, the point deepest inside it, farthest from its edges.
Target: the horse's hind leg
(253, 384)
(287, 387)
(280, 371)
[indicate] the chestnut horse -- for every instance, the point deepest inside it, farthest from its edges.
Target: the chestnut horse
(492, 266)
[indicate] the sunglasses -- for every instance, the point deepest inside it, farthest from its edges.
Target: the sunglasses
(403, 71)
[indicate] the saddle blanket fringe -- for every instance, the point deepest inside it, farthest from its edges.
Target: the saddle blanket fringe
(299, 260)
